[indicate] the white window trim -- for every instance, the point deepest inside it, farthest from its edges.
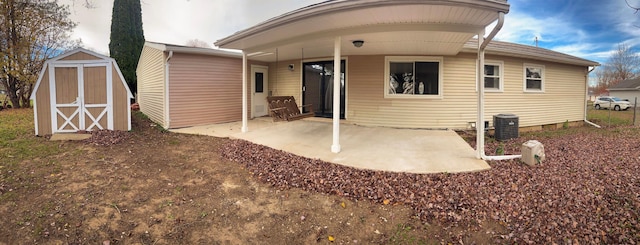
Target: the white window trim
(524, 78)
(389, 59)
(500, 65)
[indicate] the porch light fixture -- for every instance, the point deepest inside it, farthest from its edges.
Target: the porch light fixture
(358, 43)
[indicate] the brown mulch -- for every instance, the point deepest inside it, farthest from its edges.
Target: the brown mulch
(106, 137)
(587, 190)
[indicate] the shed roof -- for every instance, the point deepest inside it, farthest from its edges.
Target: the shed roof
(60, 58)
(528, 52)
(629, 84)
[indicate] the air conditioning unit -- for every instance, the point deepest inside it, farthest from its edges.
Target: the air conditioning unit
(532, 152)
(505, 126)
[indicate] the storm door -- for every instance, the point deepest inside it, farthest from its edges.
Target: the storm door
(317, 87)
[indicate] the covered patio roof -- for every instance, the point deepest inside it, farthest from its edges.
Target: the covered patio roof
(399, 27)
(434, 27)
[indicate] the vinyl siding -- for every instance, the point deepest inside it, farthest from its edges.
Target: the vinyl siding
(284, 82)
(563, 99)
(454, 109)
(151, 79)
(204, 89)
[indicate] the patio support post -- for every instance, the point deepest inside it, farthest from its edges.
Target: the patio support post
(335, 147)
(480, 85)
(245, 128)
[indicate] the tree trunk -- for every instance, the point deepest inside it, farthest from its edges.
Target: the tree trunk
(11, 92)
(25, 93)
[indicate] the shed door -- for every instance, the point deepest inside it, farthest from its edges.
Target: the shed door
(81, 97)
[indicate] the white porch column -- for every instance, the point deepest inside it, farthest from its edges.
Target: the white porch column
(480, 86)
(245, 128)
(335, 147)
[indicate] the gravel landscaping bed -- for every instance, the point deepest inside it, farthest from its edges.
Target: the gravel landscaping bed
(587, 189)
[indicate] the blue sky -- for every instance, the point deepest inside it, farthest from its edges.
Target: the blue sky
(589, 29)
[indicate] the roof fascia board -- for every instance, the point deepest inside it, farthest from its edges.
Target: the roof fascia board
(576, 61)
(369, 29)
(193, 50)
(78, 50)
(158, 46)
(331, 7)
(204, 51)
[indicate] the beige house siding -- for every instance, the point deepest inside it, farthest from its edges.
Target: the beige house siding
(563, 99)
(151, 84)
(204, 89)
(455, 109)
(284, 82)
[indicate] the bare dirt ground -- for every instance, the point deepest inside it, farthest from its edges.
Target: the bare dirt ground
(149, 186)
(154, 187)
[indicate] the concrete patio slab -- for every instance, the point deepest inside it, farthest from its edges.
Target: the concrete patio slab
(376, 148)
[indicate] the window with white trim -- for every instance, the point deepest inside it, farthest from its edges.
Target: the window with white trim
(413, 77)
(533, 78)
(493, 73)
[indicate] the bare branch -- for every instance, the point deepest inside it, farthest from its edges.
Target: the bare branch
(632, 7)
(197, 43)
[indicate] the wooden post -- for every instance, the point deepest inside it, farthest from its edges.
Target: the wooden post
(635, 104)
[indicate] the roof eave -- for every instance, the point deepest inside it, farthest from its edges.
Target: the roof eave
(194, 50)
(576, 61)
(336, 6)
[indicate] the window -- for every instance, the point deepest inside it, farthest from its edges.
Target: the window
(533, 78)
(259, 80)
(413, 77)
(493, 76)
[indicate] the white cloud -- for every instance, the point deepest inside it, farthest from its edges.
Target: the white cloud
(177, 21)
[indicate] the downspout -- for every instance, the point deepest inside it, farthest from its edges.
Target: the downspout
(245, 113)
(482, 45)
(166, 88)
(586, 98)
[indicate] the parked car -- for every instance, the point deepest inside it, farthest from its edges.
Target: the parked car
(607, 102)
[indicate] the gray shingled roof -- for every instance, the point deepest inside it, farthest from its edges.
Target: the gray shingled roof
(527, 51)
(629, 84)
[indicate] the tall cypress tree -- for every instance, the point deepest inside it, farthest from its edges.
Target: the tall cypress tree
(127, 38)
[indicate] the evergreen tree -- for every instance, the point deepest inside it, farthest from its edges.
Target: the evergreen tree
(127, 38)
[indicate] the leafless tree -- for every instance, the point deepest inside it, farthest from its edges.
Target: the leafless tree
(623, 64)
(631, 6)
(197, 43)
(31, 31)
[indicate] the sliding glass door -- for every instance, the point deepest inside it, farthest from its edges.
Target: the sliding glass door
(317, 87)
